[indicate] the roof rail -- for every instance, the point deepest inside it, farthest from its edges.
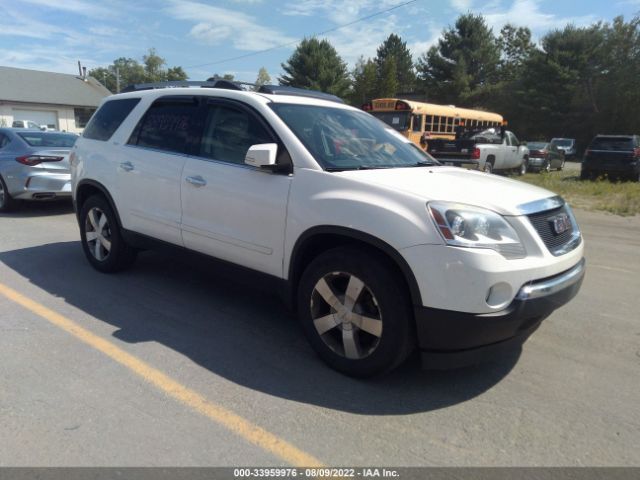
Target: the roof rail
(298, 92)
(184, 83)
(233, 85)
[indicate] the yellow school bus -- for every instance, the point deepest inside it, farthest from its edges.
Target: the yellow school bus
(415, 119)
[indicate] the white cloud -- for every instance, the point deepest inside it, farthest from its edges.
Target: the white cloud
(338, 11)
(462, 5)
(215, 25)
(80, 7)
(527, 13)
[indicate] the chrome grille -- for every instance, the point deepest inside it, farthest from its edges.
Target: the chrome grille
(557, 244)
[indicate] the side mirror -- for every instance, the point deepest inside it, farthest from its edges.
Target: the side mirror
(262, 155)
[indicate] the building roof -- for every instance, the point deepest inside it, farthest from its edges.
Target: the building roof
(34, 86)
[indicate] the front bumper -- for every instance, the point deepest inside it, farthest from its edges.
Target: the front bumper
(449, 339)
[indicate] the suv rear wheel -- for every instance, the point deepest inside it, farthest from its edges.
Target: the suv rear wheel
(101, 237)
(355, 313)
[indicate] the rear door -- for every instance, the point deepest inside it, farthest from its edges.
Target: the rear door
(149, 171)
(231, 210)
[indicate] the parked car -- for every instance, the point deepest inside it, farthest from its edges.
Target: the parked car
(34, 165)
(612, 155)
(490, 150)
(26, 124)
(544, 156)
(567, 146)
(378, 247)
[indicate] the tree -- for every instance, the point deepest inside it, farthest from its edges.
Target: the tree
(263, 78)
(130, 71)
(227, 76)
(316, 65)
(465, 60)
(388, 80)
(516, 47)
(153, 64)
(364, 82)
(176, 74)
(394, 47)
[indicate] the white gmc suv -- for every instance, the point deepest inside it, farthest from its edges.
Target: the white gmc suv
(378, 247)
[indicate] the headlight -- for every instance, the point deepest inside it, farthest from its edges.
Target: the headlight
(475, 227)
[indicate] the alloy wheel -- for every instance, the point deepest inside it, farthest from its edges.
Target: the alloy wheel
(346, 315)
(98, 234)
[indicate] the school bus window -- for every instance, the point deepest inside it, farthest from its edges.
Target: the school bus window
(428, 123)
(449, 125)
(417, 123)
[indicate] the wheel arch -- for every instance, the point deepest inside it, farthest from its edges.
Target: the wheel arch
(88, 188)
(319, 239)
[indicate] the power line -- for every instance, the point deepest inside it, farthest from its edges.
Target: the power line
(296, 41)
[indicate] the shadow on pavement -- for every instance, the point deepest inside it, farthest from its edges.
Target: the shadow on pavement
(41, 209)
(236, 329)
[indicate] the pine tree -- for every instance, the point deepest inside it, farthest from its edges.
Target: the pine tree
(316, 65)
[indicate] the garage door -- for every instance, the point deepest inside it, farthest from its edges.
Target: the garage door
(41, 117)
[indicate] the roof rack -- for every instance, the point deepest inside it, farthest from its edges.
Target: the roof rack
(234, 85)
(298, 92)
(185, 83)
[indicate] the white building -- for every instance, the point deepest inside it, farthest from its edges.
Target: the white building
(58, 100)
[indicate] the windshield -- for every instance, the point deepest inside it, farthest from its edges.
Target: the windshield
(396, 120)
(612, 143)
(341, 139)
(537, 145)
(563, 142)
(42, 139)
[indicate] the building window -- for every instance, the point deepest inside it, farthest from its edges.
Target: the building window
(82, 116)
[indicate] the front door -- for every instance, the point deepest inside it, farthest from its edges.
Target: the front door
(230, 210)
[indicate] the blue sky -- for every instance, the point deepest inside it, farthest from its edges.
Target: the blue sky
(205, 36)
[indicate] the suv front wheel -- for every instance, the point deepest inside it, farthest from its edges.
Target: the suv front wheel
(101, 237)
(355, 313)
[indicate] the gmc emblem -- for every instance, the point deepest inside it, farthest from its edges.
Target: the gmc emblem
(560, 223)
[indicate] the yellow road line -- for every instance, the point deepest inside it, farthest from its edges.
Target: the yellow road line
(228, 419)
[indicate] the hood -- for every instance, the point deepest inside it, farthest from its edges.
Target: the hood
(455, 184)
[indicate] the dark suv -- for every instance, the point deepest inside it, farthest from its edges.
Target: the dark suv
(612, 155)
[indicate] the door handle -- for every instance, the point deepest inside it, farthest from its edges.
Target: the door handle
(196, 181)
(126, 166)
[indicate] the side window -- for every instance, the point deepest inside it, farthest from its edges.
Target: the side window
(170, 124)
(514, 140)
(108, 118)
(417, 123)
(229, 132)
(4, 141)
(428, 126)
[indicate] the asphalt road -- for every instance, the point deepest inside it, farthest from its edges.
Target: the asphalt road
(234, 355)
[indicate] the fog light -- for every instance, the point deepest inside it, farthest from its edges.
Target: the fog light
(499, 295)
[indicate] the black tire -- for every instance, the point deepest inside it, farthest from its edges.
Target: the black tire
(382, 298)
(119, 255)
(488, 166)
(547, 167)
(522, 169)
(586, 175)
(7, 202)
(561, 165)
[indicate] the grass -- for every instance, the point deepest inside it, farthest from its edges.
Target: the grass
(617, 197)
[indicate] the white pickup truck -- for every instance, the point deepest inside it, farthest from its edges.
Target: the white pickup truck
(490, 150)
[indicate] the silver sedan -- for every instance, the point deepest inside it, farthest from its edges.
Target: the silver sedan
(34, 165)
